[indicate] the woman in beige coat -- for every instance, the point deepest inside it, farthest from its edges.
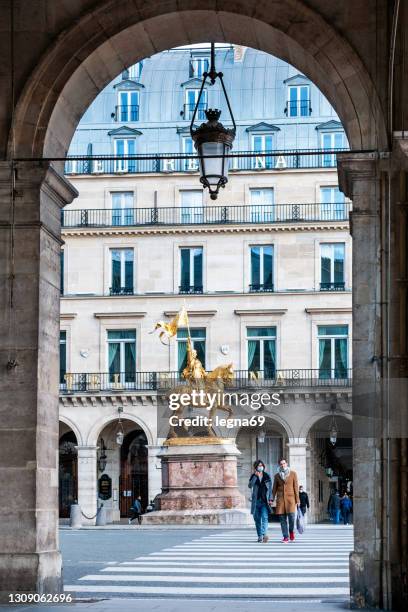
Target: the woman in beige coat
(286, 495)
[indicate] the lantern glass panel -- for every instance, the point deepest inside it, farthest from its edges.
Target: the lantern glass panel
(213, 168)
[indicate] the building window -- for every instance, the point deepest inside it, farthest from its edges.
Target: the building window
(124, 147)
(332, 266)
(135, 71)
(62, 272)
(190, 165)
(333, 351)
(192, 206)
(122, 356)
(191, 270)
(123, 212)
(121, 272)
(63, 356)
(198, 344)
(191, 98)
(298, 101)
(332, 204)
(262, 351)
(199, 65)
(262, 210)
(329, 142)
(262, 143)
(128, 106)
(261, 268)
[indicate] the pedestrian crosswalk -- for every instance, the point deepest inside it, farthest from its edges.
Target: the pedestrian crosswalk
(231, 564)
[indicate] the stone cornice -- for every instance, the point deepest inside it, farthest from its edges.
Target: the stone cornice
(192, 313)
(261, 311)
(153, 398)
(353, 167)
(340, 310)
(121, 315)
(67, 315)
(236, 229)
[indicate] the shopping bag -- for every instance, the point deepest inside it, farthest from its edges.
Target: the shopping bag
(300, 521)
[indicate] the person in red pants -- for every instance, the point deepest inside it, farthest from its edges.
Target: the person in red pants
(285, 493)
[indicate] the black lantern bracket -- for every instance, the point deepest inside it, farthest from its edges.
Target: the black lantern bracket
(213, 133)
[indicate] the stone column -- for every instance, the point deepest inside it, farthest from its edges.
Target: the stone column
(297, 459)
(31, 198)
(87, 483)
(154, 471)
(360, 180)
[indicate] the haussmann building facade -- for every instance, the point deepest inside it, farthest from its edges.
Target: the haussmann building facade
(264, 272)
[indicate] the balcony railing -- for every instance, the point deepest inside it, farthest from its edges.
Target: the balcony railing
(190, 289)
(126, 113)
(260, 288)
(332, 286)
(120, 290)
(206, 215)
(288, 159)
(243, 379)
(188, 111)
(298, 108)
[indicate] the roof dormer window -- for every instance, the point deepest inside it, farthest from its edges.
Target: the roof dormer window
(199, 65)
(135, 71)
(298, 104)
(128, 106)
(191, 97)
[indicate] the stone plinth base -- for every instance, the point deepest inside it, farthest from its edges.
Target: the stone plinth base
(30, 573)
(199, 483)
(233, 518)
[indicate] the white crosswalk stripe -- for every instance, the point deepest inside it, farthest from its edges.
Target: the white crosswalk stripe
(232, 564)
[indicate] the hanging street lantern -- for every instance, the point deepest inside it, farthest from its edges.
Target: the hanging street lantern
(261, 436)
(333, 429)
(102, 457)
(212, 140)
(119, 432)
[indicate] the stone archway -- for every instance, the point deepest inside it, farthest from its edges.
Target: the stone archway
(107, 39)
(64, 84)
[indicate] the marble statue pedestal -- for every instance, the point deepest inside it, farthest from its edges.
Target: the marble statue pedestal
(199, 484)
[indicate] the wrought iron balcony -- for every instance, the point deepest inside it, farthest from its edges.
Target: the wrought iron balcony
(298, 108)
(121, 291)
(188, 111)
(190, 289)
(273, 161)
(261, 288)
(206, 215)
(95, 382)
(126, 113)
(332, 286)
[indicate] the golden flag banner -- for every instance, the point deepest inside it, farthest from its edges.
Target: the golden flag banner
(169, 330)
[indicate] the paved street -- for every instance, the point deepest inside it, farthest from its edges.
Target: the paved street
(226, 564)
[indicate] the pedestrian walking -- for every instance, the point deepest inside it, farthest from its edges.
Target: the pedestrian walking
(333, 507)
(303, 500)
(346, 506)
(136, 511)
(286, 495)
(261, 485)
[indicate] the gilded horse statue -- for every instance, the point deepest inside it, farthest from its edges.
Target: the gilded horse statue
(198, 379)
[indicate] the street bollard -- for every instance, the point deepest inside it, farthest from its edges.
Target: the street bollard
(101, 516)
(75, 519)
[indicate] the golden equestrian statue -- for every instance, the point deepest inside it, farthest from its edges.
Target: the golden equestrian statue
(195, 374)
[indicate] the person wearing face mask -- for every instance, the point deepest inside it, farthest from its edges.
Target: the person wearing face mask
(286, 495)
(261, 485)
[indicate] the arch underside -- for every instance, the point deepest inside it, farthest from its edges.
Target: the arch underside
(116, 35)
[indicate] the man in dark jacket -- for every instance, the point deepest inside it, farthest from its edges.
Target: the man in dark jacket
(261, 485)
(136, 511)
(304, 500)
(333, 507)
